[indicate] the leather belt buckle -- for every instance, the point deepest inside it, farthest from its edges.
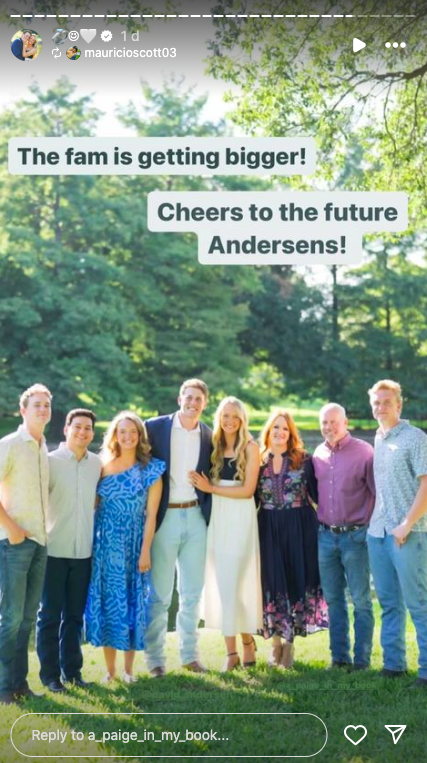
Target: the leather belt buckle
(183, 505)
(339, 529)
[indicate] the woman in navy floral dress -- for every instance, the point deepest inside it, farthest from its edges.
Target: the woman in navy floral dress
(130, 490)
(287, 489)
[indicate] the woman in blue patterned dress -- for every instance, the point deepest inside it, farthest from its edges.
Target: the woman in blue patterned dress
(129, 495)
(287, 489)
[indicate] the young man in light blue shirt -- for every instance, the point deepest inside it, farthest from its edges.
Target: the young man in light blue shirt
(397, 535)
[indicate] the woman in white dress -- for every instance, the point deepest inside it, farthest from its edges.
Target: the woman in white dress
(233, 598)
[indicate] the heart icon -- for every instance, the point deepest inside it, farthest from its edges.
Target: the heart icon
(360, 735)
(88, 34)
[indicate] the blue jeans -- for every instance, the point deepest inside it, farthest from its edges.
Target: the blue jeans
(343, 561)
(400, 578)
(180, 541)
(60, 618)
(22, 568)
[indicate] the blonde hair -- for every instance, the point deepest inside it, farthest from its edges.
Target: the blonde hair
(386, 384)
(243, 437)
(110, 446)
(295, 446)
(35, 389)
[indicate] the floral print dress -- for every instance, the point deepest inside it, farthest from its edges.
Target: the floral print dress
(293, 603)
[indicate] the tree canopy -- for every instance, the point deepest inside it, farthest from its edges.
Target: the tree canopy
(109, 314)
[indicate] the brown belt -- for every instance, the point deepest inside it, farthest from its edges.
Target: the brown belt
(185, 505)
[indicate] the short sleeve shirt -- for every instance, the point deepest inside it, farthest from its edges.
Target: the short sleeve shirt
(400, 459)
(72, 496)
(24, 483)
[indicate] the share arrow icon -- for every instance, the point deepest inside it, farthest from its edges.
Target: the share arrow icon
(396, 732)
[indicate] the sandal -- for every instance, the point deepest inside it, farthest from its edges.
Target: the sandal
(252, 642)
(226, 668)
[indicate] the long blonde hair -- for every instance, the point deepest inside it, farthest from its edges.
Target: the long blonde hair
(110, 446)
(295, 446)
(243, 437)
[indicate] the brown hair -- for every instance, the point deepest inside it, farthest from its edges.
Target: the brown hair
(111, 448)
(71, 415)
(295, 446)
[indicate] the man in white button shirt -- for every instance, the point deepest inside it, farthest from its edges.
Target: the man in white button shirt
(185, 444)
(24, 481)
(74, 475)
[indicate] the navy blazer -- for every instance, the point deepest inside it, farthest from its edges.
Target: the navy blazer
(159, 433)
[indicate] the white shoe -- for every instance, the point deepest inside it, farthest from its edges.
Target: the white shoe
(107, 678)
(128, 679)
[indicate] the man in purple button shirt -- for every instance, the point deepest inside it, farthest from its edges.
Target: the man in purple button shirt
(344, 471)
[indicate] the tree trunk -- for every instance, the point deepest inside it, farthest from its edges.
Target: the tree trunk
(334, 381)
(55, 432)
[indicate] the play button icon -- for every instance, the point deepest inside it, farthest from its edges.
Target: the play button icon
(358, 45)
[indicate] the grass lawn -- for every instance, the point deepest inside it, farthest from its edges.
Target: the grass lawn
(338, 698)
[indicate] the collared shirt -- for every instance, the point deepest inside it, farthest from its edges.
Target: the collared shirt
(345, 481)
(185, 452)
(400, 460)
(72, 496)
(24, 483)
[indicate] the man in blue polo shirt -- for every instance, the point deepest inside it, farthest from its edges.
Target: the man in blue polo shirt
(397, 535)
(18, 45)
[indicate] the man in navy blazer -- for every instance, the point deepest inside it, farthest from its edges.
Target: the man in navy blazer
(184, 443)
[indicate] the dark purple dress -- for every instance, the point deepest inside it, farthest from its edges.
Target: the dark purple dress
(293, 602)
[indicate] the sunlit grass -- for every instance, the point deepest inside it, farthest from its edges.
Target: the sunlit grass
(337, 697)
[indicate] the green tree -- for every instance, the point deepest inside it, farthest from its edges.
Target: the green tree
(384, 308)
(191, 316)
(368, 116)
(300, 77)
(63, 315)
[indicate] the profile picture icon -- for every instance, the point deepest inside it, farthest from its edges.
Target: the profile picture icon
(26, 45)
(73, 53)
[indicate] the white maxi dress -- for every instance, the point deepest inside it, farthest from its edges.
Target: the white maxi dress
(232, 595)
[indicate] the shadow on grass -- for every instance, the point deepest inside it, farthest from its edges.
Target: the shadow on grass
(337, 697)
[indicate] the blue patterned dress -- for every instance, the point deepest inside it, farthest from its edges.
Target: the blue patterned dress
(116, 610)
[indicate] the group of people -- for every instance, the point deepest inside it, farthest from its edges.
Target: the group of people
(25, 47)
(265, 537)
